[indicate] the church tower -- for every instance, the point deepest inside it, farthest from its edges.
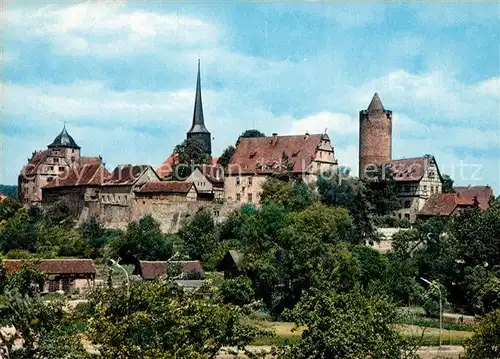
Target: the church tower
(375, 136)
(198, 129)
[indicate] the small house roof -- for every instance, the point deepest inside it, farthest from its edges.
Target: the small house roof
(166, 187)
(157, 269)
(53, 266)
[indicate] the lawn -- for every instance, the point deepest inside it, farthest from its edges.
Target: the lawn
(287, 333)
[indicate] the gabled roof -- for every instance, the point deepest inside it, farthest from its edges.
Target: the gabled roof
(157, 269)
(38, 159)
(166, 187)
(64, 140)
(93, 174)
(126, 174)
(483, 194)
(214, 174)
(53, 266)
(411, 169)
(264, 155)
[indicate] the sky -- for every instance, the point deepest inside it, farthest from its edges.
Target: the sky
(122, 76)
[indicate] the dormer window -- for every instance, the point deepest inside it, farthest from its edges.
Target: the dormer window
(252, 155)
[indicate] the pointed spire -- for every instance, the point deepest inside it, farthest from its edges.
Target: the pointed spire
(375, 104)
(198, 125)
(64, 140)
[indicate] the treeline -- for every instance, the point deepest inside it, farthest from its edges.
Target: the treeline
(9, 191)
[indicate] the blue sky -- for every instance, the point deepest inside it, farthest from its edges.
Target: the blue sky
(122, 76)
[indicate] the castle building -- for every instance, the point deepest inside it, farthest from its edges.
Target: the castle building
(44, 166)
(254, 159)
(417, 179)
(198, 129)
(375, 136)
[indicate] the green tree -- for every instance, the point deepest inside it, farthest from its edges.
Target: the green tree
(346, 325)
(350, 193)
(447, 184)
(293, 195)
(226, 156)
(160, 320)
(237, 291)
(198, 235)
(18, 232)
(190, 152)
(142, 240)
(486, 341)
(373, 265)
(381, 193)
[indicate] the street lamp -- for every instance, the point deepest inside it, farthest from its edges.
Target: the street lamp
(116, 264)
(440, 306)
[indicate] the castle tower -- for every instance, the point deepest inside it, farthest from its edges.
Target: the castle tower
(198, 129)
(375, 136)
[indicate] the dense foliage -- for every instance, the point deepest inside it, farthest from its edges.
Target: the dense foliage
(189, 153)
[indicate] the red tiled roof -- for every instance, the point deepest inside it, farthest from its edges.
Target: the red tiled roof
(35, 162)
(410, 169)
(482, 193)
(445, 204)
(151, 270)
(53, 266)
(125, 174)
(265, 154)
(86, 175)
(90, 160)
(166, 187)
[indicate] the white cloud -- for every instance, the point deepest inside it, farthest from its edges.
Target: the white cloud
(336, 123)
(107, 28)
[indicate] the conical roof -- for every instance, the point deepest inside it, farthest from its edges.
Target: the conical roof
(198, 125)
(376, 104)
(64, 140)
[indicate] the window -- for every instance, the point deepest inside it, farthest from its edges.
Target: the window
(407, 203)
(432, 189)
(407, 216)
(72, 151)
(425, 188)
(61, 168)
(250, 180)
(51, 168)
(216, 213)
(126, 198)
(56, 160)
(432, 174)
(250, 197)
(49, 179)
(238, 197)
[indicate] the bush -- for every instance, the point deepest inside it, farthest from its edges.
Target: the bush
(391, 222)
(237, 291)
(486, 341)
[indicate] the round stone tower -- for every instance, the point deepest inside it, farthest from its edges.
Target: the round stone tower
(375, 136)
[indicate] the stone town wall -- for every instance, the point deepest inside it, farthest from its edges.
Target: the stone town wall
(170, 214)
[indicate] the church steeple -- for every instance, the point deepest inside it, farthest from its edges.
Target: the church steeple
(198, 129)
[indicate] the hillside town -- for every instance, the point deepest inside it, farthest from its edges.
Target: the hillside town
(130, 191)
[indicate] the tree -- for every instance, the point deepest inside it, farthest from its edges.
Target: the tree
(352, 194)
(226, 156)
(237, 291)
(161, 320)
(143, 240)
(346, 325)
(486, 341)
(381, 193)
(447, 184)
(373, 265)
(190, 152)
(293, 195)
(198, 235)
(18, 232)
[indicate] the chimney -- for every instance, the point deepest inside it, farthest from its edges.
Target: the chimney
(275, 139)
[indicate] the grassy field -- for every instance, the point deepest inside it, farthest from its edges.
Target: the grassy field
(287, 333)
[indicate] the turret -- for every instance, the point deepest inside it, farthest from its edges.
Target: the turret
(375, 136)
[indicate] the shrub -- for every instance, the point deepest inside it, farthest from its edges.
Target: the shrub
(237, 291)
